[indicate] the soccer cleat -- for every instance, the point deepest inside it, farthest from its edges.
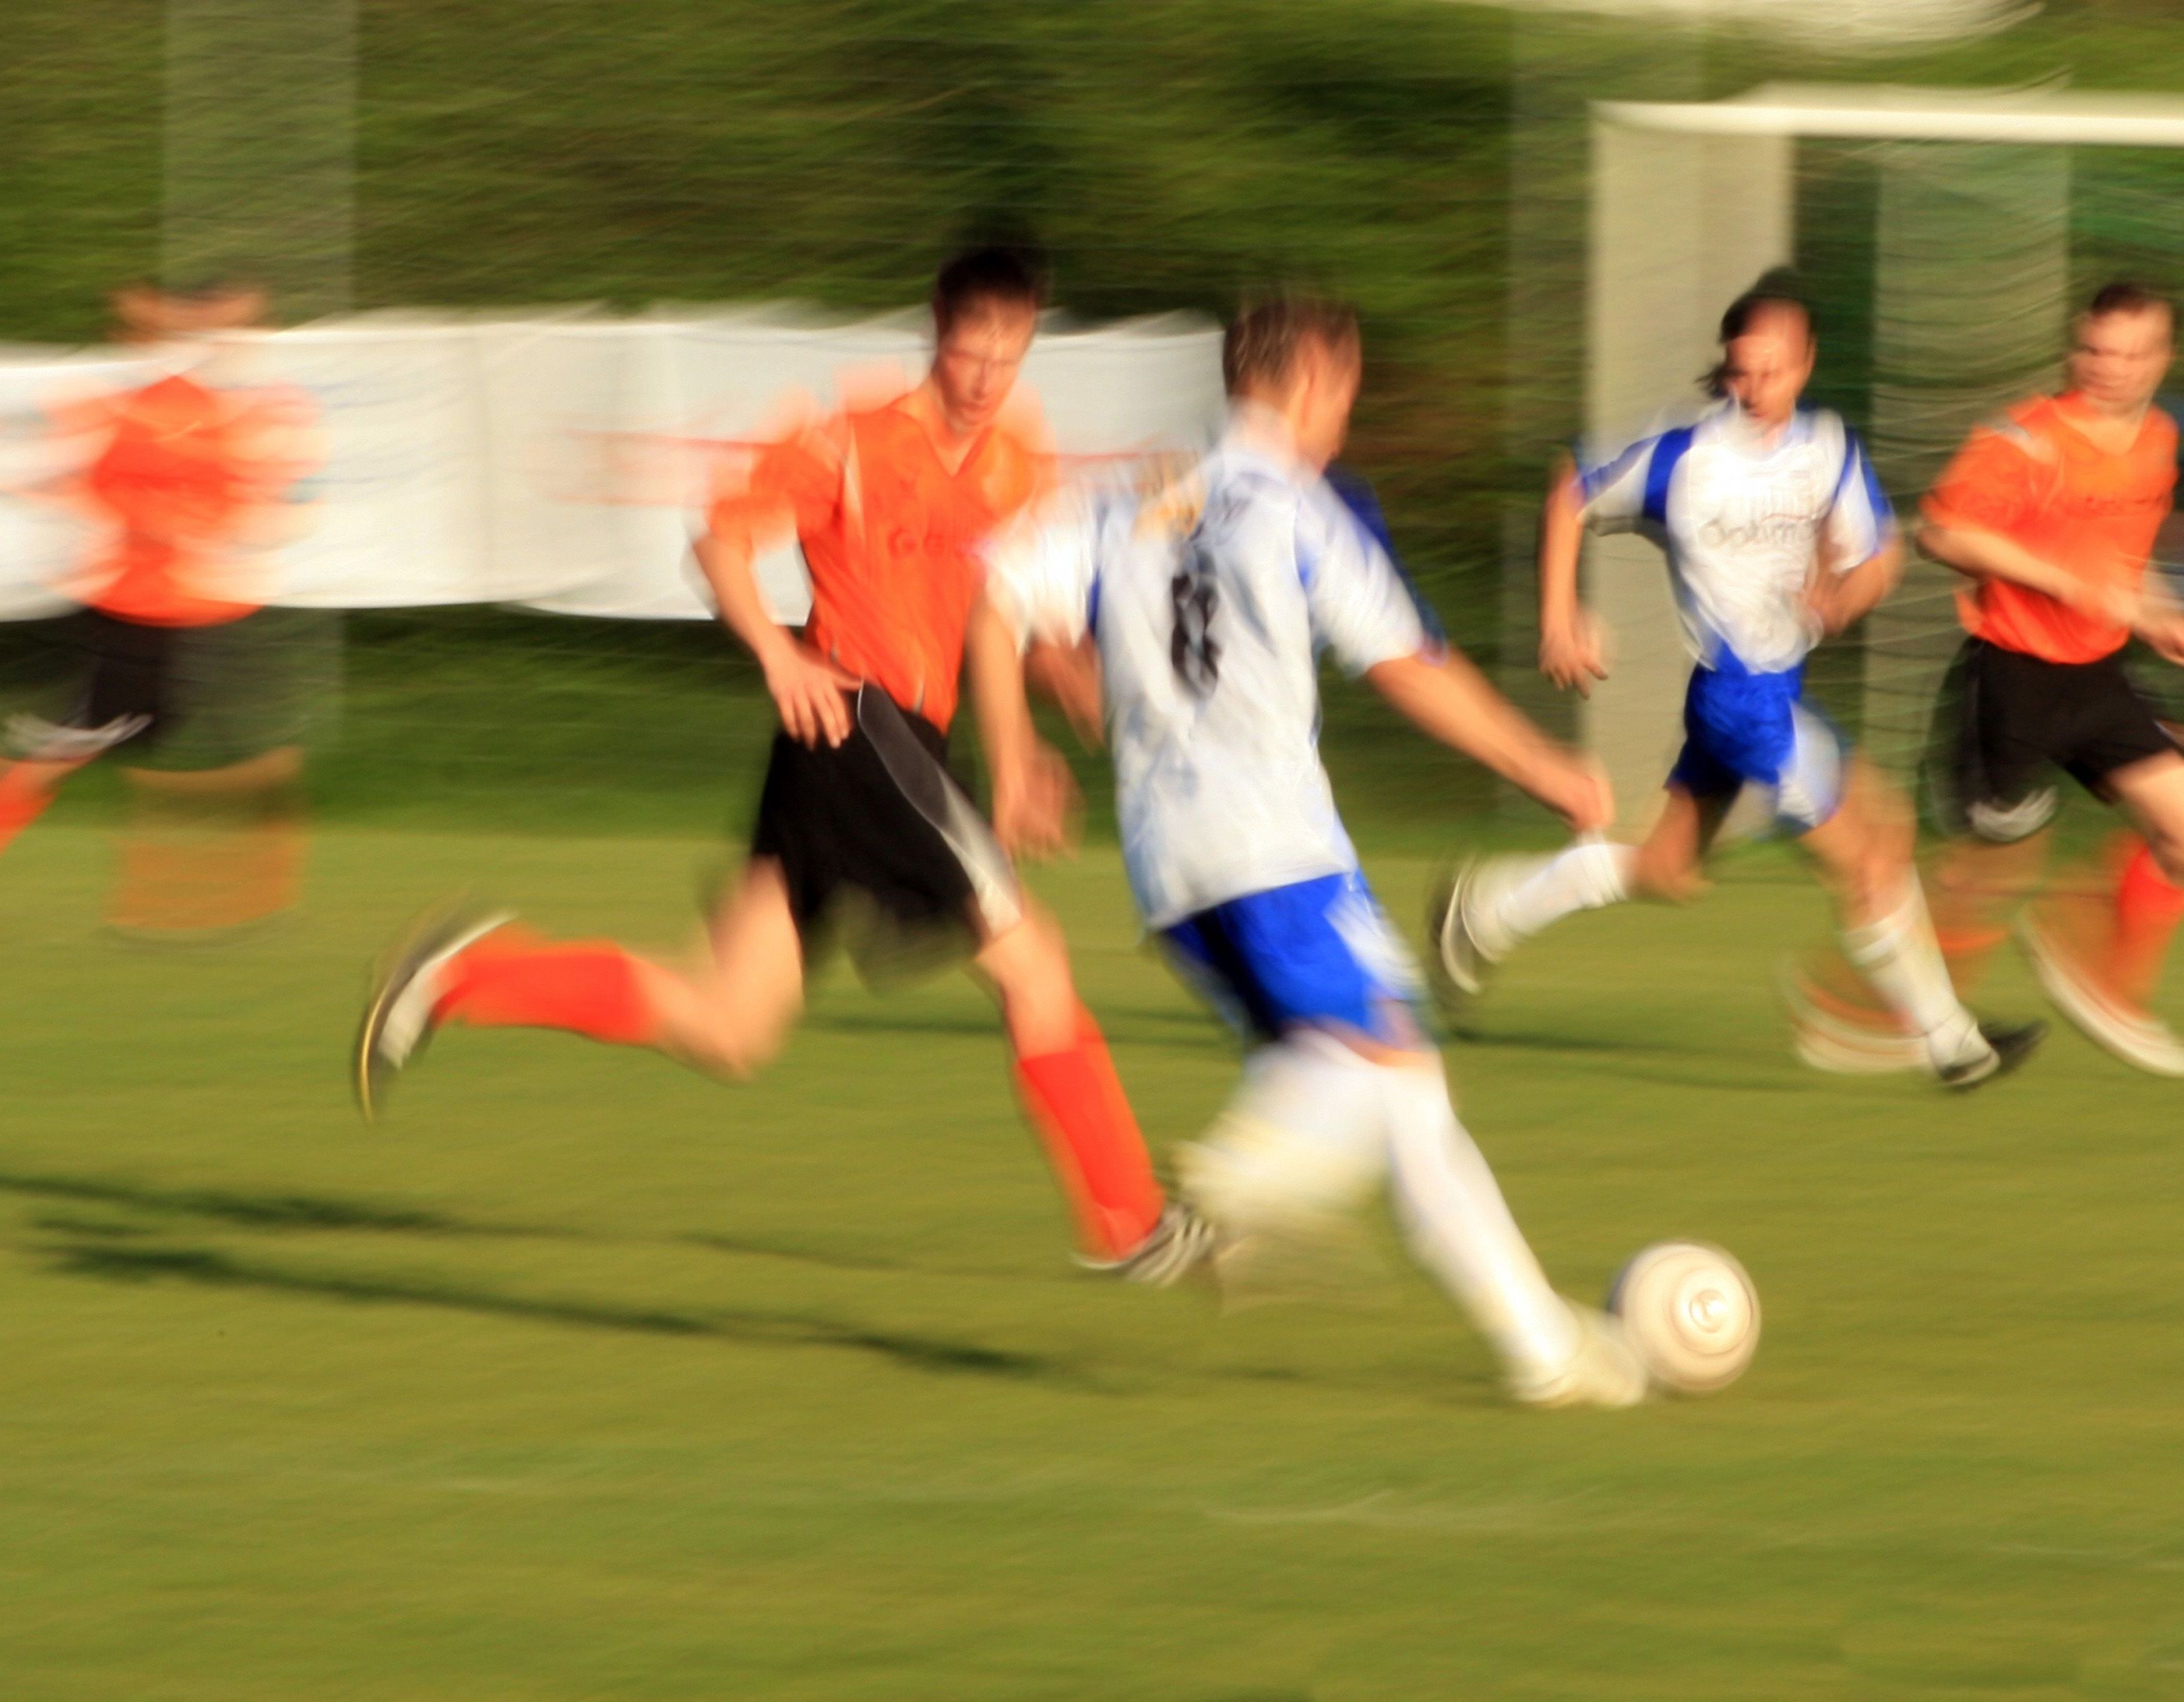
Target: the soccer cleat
(1603, 1372)
(1180, 1242)
(1828, 1036)
(35, 739)
(399, 1019)
(1460, 965)
(2007, 1046)
(2138, 1038)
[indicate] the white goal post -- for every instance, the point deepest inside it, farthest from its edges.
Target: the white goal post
(1692, 201)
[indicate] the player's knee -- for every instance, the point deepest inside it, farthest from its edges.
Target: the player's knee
(2167, 847)
(731, 1047)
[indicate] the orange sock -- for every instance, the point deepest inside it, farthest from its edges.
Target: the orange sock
(591, 988)
(1077, 1104)
(20, 804)
(2148, 906)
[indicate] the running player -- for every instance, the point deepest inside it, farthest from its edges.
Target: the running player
(191, 480)
(2053, 511)
(888, 503)
(1776, 533)
(1207, 598)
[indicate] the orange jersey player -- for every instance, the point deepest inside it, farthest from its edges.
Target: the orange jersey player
(888, 503)
(2052, 512)
(187, 477)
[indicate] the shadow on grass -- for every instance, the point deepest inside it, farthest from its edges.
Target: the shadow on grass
(207, 1269)
(256, 1210)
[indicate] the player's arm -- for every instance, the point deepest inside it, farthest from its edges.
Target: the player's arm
(1069, 676)
(1969, 514)
(1978, 553)
(1842, 597)
(1039, 577)
(807, 692)
(1035, 793)
(1450, 700)
(1572, 651)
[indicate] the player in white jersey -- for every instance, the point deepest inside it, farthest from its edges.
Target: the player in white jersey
(1207, 600)
(1776, 533)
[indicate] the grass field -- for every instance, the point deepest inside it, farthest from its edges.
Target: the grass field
(583, 1377)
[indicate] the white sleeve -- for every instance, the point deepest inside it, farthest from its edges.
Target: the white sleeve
(1041, 571)
(1859, 520)
(1360, 609)
(1613, 492)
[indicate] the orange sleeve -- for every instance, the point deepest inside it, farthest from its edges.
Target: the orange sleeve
(1990, 485)
(794, 487)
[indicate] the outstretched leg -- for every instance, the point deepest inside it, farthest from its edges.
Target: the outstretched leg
(1321, 1118)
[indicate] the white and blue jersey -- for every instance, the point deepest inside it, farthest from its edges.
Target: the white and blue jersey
(1746, 525)
(1209, 598)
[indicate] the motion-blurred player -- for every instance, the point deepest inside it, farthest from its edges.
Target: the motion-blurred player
(191, 480)
(2053, 510)
(1776, 533)
(1208, 597)
(888, 503)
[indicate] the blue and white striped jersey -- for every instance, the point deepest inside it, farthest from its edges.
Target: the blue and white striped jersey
(1209, 598)
(1744, 523)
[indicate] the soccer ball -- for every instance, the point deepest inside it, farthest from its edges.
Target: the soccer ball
(1690, 1314)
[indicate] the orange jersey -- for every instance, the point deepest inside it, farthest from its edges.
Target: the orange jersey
(2034, 478)
(890, 536)
(183, 472)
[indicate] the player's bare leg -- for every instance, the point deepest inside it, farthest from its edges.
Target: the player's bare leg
(1485, 909)
(732, 1016)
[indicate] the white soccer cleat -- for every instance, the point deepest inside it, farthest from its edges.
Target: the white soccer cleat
(1466, 944)
(1690, 1314)
(398, 1018)
(1604, 1370)
(2140, 1040)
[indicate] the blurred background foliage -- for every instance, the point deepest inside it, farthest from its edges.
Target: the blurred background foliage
(1428, 159)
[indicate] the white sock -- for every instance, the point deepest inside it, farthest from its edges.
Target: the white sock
(1460, 1228)
(1580, 877)
(1899, 955)
(1303, 1137)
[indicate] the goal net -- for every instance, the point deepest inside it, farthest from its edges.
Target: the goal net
(1945, 236)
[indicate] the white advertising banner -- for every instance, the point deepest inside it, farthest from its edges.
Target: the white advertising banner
(559, 462)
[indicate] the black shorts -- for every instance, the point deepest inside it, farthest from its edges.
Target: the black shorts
(2006, 720)
(129, 678)
(876, 839)
(191, 697)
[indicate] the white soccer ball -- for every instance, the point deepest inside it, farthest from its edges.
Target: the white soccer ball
(1689, 1313)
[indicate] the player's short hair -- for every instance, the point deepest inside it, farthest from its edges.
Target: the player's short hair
(2125, 296)
(1261, 343)
(991, 273)
(1777, 291)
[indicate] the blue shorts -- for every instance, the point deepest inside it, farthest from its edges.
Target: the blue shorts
(1318, 954)
(1743, 728)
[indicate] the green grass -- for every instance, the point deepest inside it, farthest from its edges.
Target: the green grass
(585, 1377)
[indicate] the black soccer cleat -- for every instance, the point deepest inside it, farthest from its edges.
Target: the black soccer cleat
(399, 1019)
(2008, 1045)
